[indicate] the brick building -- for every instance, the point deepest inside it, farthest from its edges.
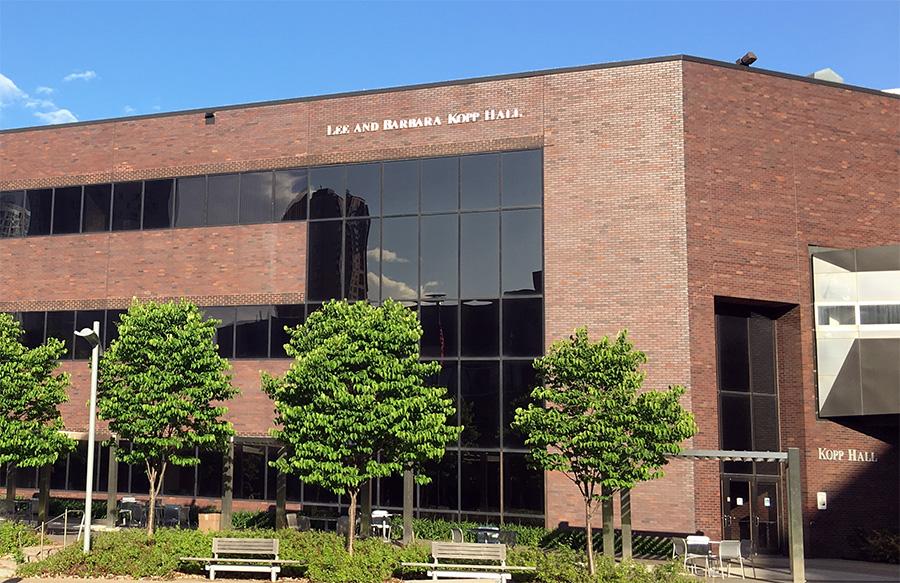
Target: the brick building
(677, 197)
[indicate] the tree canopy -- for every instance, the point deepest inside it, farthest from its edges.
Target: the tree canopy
(161, 387)
(355, 404)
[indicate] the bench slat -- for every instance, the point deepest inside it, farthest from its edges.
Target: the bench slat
(484, 567)
(474, 551)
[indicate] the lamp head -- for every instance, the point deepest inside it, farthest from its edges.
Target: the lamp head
(89, 335)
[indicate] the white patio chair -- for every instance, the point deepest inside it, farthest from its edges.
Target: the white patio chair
(730, 552)
(381, 523)
(698, 549)
(748, 555)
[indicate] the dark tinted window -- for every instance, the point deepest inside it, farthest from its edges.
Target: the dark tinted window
(440, 184)
(225, 331)
(479, 257)
(440, 266)
(400, 258)
(734, 365)
(442, 491)
(479, 184)
(523, 252)
(287, 315)
(765, 423)
(190, 202)
(249, 471)
(401, 187)
(479, 411)
(362, 246)
(480, 476)
(13, 216)
(33, 328)
(522, 327)
(62, 325)
(324, 260)
(364, 186)
(256, 198)
(523, 486)
(111, 329)
(736, 422)
(40, 205)
(127, 206)
(67, 210)
(222, 194)
(328, 186)
(290, 195)
(209, 474)
(96, 208)
(761, 336)
(522, 178)
(440, 336)
(390, 491)
(480, 328)
(158, 202)
(251, 336)
(518, 381)
(85, 319)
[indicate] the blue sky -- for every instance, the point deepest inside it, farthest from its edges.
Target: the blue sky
(84, 60)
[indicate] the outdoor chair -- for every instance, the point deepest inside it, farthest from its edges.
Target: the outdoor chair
(730, 552)
(456, 535)
(298, 522)
(697, 550)
(748, 555)
(381, 523)
(343, 526)
(508, 537)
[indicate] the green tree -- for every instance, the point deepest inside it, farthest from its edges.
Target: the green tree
(355, 404)
(30, 396)
(590, 422)
(158, 384)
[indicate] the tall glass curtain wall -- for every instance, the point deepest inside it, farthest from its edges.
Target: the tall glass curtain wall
(458, 239)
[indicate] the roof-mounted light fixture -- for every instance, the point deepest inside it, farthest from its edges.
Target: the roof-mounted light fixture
(748, 59)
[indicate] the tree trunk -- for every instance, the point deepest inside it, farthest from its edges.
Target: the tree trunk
(351, 515)
(155, 477)
(609, 533)
(11, 486)
(365, 509)
(589, 535)
(44, 492)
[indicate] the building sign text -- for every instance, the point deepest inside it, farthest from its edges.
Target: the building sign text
(453, 118)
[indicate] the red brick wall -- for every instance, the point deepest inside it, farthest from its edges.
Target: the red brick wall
(773, 165)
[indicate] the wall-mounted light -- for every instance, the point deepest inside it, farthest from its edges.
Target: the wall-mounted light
(748, 59)
(210, 117)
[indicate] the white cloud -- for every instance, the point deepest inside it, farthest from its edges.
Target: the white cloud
(128, 109)
(84, 76)
(895, 91)
(9, 92)
(391, 288)
(56, 116)
(387, 256)
(42, 90)
(36, 103)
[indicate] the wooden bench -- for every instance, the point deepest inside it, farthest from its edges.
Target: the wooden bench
(255, 547)
(477, 553)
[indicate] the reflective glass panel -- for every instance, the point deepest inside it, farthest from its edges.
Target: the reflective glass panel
(519, 380)
(523, 327)
(209, 474)
(761, 336)
(362, 246)
(480, 328)
(401, 187)
(479, 255)
(480, 477)
(734, 362)
(33, 328)
(249, 471)
(479, 184)
(126, 206)
(522, 178)
(440, 184)
(256, 198)
(329, 187)
(251, 334)
(324, 260)
(158, 203)
(67, 210)
(222, 196)
(479, 410)
(400, 258)
(62, 325)
(523, 252)
(440, 266)
(95, 216)
(85, 319)
(390, 491)
(364, 190)
(442, 492)
(111, 328)
(523, 486)
(40, 205)
(190, 202)
(13, 215)
(286, 315)
(225, 331)
(440, 329)
(291, 195)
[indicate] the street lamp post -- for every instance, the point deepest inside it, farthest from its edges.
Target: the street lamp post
(93, 338)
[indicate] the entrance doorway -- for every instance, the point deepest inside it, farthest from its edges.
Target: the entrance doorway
(750, 511)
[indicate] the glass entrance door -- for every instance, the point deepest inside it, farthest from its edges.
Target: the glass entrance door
(750, 512)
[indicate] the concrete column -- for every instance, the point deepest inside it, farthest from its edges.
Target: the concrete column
(609, 540)
(365, 509)
(795, 516)
(112, 485)
(44, 492)
(280, 497)
(227, 486)
(408, 490)
(625, 499)
(11, 486)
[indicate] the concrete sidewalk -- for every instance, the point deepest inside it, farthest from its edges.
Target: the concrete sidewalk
(777, 570)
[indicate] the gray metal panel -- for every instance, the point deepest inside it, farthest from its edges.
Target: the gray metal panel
(845, 397)
(878, 258)
(880, 374)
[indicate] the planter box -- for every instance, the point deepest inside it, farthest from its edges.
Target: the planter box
(209, 522)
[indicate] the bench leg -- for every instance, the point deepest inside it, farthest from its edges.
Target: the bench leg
(212, 574)
(274, 575)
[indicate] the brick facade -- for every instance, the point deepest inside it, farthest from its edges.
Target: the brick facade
(666, 184)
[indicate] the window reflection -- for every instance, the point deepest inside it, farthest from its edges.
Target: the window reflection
(519, 380)
(126, 206)
(479, 409)
(13, 214)
(480, 476)
(523, 486)
(190, 202)
(222, 199)
(97, 200)
(401, 187)
(523, 327)
(158, 200)
(225, 330)
(291, 188)
(440, 267)
(522, 178)
(256, 198)
(67, 210)
(480, 328)
(328, 186)
(440, 184)
(439, 329)
(251, 336)
(284, 316)
(364, 190)
(362, 246)
(479, 255)
(62, 325)
(479, 186)
(400, 258)
(522, 271)
(324, 262)
(39, 204)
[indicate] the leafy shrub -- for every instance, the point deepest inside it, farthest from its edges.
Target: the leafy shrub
(882, 546)
(14, 536)
(426, 529)
(60, 505)
(253, 520)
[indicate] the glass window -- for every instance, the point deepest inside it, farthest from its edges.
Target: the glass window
(879, 314)
(440, 184)
(364, 190)
(401, 187)
(209, 474)
(85, 319)
(127, 206)
(440, 265)
(256, 198)
(479, 410)
(78, 467)
(734, 360)
(33, 327)
(290, 195)
(523, 327)
(286, 315)
(479, 255)
(67, 210)
(519, 380)
(523, 252)
(222, 195)
(522, 178)
(57, 474)
(225, 332)
(13, 215)
(324, 260)
(523, 486)
(251, 335)
(62, 325)
(179, 480)
(479, 184)
(761, 336)
(190, 202)
(158, 201)
(111, 329)
(362, 256)
(439, 329)
(480, 328)
(442, 493)
(734, 414)
(837, 315)
(448, 377)
(765, 423)
(390, 491)
(400, 258)
(40, 206)
(249, 471)
(95, 216)
(480, 477)
(328, 186)
(319, 495)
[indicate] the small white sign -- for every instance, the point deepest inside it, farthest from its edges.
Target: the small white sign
(767, 501)
(821, 501)
(740, 501)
